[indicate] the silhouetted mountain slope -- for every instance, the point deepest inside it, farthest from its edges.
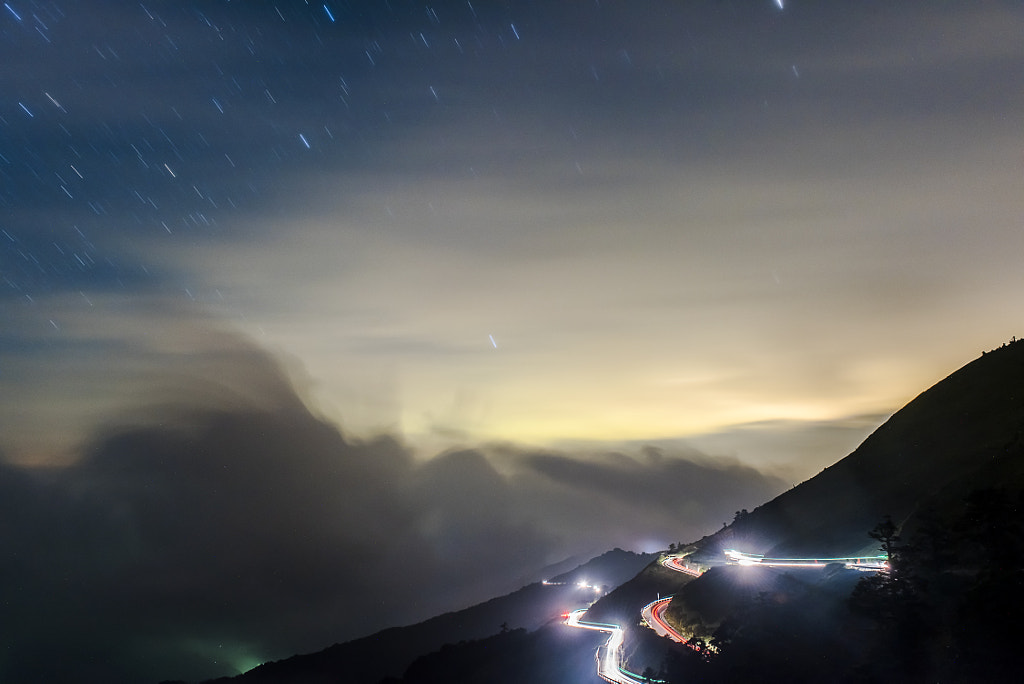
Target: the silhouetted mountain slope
(621, 606)
(608, 570)
(553, 654)
(962, 434)
(388, 652)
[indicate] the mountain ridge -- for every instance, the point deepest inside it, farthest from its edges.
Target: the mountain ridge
(387, 653)
(962, 433)
(947, 432)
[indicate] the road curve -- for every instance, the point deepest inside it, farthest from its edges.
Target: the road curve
(680, 564)
(609, 667)
(653, 613)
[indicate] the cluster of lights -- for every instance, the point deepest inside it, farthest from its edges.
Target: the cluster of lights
(582, 584)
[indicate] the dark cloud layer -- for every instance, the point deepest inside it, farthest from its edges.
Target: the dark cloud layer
(200, 539)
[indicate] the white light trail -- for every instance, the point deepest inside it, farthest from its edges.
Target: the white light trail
(652, 614)
(859, 562)
(679, 564)
(608, 667)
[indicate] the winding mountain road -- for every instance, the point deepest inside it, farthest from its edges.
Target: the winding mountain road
(609, 655)
(653, 613)
(871, 563)
(680, 564)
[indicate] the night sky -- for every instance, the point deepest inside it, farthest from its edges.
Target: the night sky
(292, 292)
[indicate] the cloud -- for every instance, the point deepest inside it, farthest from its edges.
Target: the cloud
(111, 357)
(248, 521)
(660, 196)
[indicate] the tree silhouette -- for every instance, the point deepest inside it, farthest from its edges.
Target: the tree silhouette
(885, 533)
(894, 601)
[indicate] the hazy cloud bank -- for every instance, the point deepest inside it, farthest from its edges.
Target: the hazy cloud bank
(215, 529)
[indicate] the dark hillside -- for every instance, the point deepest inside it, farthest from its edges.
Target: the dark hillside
(621, 606)
(388, 652)
(962, 434)
(554, 654)
(609, 569)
